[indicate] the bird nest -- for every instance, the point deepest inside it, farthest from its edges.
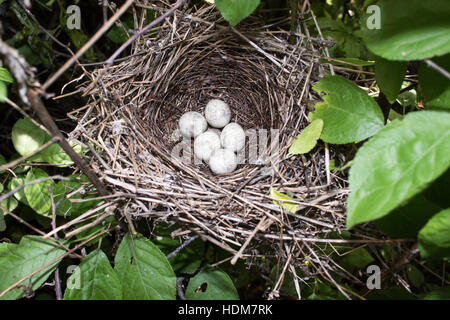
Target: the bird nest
(132, 117)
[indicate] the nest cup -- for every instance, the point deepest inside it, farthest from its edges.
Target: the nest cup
(133, 112)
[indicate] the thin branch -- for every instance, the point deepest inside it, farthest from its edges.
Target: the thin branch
(47, 120)
(10, 193)
(438, 68)
(22, 73)
(25, 115)
(19, 219)
(261, 226)
(183, 245)
(88, 44)
(105, 10)
(19, 68)
(15, 284)
(179, 285)
(58, 291)
(32, 17)
(21, 159)
(144, 30)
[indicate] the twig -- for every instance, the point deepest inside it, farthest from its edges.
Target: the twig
(87, 45)
(327, 163)
(47, 120)
(19, 68)
(405, 259)
(181, 247)
(32, 17)
(105, 10)
(77, 219)
(22, 73)
(19, 219)
(23, 158)
(15, 284)
(10, 193)
(321, 36)
(294, 18)
(88, 226)
(261, 226)
(179, 285)
(327, 273)
(276, 288)
(327, 152)
(58, 291)
(130, 40)
(438, 68)
(25, 115)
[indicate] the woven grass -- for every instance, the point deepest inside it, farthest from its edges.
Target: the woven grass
(133, 112)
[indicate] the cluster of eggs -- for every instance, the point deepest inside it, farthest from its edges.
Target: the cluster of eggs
(217, 148)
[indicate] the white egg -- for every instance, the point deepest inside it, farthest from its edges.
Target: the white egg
(216, 131)
(192, 124)
(233, 137)
(205, 144)
(217, 113)
(222, 161)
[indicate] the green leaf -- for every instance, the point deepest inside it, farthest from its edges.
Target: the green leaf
(438, 294)
(3, 91)
(65, 207)
(397, 163)
(389, 75)
(31, 57)
(407, 98)
(27, 137)
(19, 260)
(119, 34)
(434, 237)
(289, 206)
(348, 44)
(38, 195)
(5, 246)
(143, 270)
(348, 113)
(307, 140)
(2, 161)
(14, 183)
(79, 39)
(409, 29)
(5, 75)
(53, 155)
(234, 11)
(211, 284)
(358, 258)
(415, 276)
(98, 280)
(436, 87)
(9, 204)
(406, 221)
